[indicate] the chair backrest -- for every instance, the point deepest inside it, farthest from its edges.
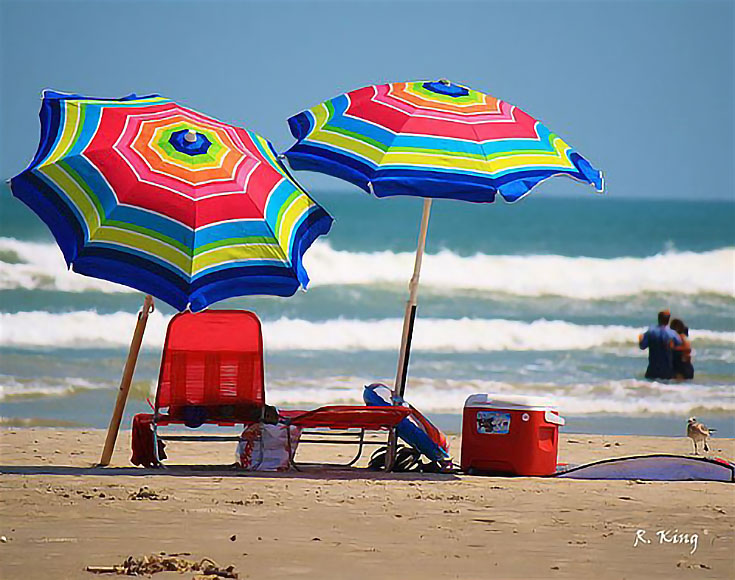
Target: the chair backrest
(212, 358)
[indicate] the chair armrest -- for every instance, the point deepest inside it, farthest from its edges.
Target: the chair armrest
(349, 417)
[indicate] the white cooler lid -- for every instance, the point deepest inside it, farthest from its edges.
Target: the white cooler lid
(510, 402)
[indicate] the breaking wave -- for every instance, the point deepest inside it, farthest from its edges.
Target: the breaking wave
(16, 389)
(39, 266)
(631, 397)
(536, 275)
(88, 329)
(625, 397)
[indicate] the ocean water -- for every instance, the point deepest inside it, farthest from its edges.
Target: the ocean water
(545, 297)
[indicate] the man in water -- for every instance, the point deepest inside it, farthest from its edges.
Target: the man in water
(659, 341)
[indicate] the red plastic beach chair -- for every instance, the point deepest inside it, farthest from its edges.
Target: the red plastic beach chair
(213, 360)
(212, 373)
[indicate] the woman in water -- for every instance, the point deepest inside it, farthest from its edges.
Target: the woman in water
(683, 368)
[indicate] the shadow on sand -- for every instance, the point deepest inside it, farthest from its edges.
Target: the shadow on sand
(310, 472)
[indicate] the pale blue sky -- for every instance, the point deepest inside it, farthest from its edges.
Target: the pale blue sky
(644, 90)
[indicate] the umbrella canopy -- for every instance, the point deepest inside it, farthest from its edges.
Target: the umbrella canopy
(432, 139)
(147, 193)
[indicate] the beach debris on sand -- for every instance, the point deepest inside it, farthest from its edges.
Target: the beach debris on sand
(155, 563)
(692, 565)
(145, 493)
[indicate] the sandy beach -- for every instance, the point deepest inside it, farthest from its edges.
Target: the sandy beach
(58, 515)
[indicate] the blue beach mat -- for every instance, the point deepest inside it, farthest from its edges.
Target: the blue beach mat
(657, 467)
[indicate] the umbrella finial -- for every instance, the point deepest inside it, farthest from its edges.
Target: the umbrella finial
(191, 136)
(446, 82)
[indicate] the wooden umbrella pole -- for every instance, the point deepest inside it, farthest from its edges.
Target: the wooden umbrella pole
(412, 303)
(408, 320)
(125, 381)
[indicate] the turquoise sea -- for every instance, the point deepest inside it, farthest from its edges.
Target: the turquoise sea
(544, 297)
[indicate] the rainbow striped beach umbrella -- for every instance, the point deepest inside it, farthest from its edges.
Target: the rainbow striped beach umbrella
(144, 192)
(433, 139)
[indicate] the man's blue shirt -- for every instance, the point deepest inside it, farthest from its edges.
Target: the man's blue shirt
(657, 339)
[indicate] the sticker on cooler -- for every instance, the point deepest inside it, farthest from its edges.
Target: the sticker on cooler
(493, 423)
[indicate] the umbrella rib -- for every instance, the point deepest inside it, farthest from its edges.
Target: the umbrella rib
(270, 229)
(278, 243)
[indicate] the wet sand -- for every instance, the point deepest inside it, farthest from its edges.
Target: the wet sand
(58, 514)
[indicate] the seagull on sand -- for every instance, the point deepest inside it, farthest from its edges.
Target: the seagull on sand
(697, 432)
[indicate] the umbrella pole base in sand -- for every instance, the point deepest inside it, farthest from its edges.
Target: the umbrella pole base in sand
(127, 377)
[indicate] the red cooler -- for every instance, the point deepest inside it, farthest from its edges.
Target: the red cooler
(511, 435)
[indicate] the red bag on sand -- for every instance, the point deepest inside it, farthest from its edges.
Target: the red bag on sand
(142, 443)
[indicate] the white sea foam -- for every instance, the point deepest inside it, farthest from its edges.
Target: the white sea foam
(710, 272)
(88, 329)
(81, 329)
(625, 397)
(41, 266)
(13, 387)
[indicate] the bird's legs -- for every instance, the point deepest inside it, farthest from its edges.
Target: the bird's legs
(696, 451)
(705, 446)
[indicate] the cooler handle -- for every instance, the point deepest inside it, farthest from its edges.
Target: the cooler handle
(553, 418)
